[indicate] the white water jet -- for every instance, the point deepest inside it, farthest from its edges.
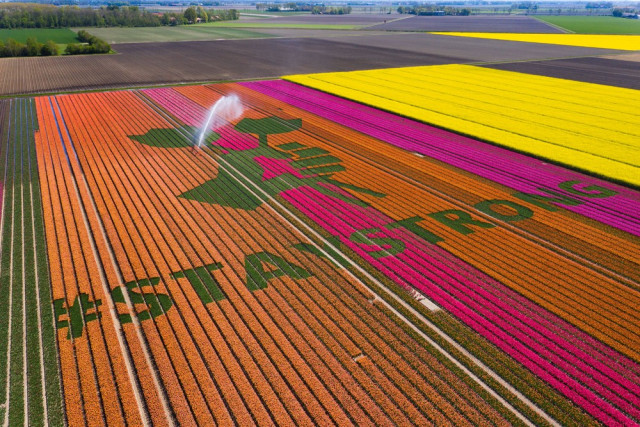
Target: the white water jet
(225, 110)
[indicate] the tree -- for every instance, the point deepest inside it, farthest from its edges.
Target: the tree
(33, 47)
(202, 14)
(190, 14)
(14, 48)
(50, 48)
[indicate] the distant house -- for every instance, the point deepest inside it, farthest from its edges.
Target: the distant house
(630, 15)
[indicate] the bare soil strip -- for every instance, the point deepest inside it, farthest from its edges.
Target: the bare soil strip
(605, 71)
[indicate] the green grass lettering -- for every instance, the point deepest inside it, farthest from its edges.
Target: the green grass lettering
(458, 220)
(258, 277)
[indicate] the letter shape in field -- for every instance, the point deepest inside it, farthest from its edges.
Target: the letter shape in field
(291, 165)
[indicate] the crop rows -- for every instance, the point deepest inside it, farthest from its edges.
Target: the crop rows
(473, 23)
(601, 41)
(29, 378)
(516, 171)
(545, 278)
(238, 320)
(582, 125)
(303, 266)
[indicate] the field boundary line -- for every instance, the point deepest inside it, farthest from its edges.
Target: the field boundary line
(388, 21)
(301, 225)
(514, 61)
(557, 27)
(142, 407)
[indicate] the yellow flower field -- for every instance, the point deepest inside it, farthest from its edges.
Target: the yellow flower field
(620, 42)
(588, 126)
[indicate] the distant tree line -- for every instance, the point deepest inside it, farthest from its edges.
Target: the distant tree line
(624, 12)
(599, 5)
(199, 14)
(89, 44)
(525, 5)
(314, 8)
(284, 7)
(431, 9)
(46, 16)
(32, 47)
(323, 10)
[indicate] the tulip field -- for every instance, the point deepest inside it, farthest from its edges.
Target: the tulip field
(584, 125)
(316, 260)
(600, 41)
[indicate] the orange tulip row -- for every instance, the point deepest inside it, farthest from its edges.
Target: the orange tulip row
(87, 361)
(303, 350)
(516, 270)
(562, 284)
(169, 341)
(274, 237)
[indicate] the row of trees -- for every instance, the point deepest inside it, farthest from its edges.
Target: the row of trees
(322, 10)
(599, 5)
(626, 12)
(199, 14)
(89, 44)
(430, 9)
(32, 47)
(315, 9)
(284, 7)
(46, 16)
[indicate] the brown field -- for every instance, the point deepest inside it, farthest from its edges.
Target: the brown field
(156, 63)
(604, 71)
(352, 19)
(139, 64)
(480, 24)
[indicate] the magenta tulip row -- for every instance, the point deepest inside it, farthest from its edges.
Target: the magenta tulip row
(581, 368)
(514, 170)
(603, 382)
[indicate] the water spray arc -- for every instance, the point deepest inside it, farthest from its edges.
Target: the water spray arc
(225, 110)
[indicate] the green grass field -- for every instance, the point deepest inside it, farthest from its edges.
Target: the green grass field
(594, 24)
(171, 34)
(60, 36)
